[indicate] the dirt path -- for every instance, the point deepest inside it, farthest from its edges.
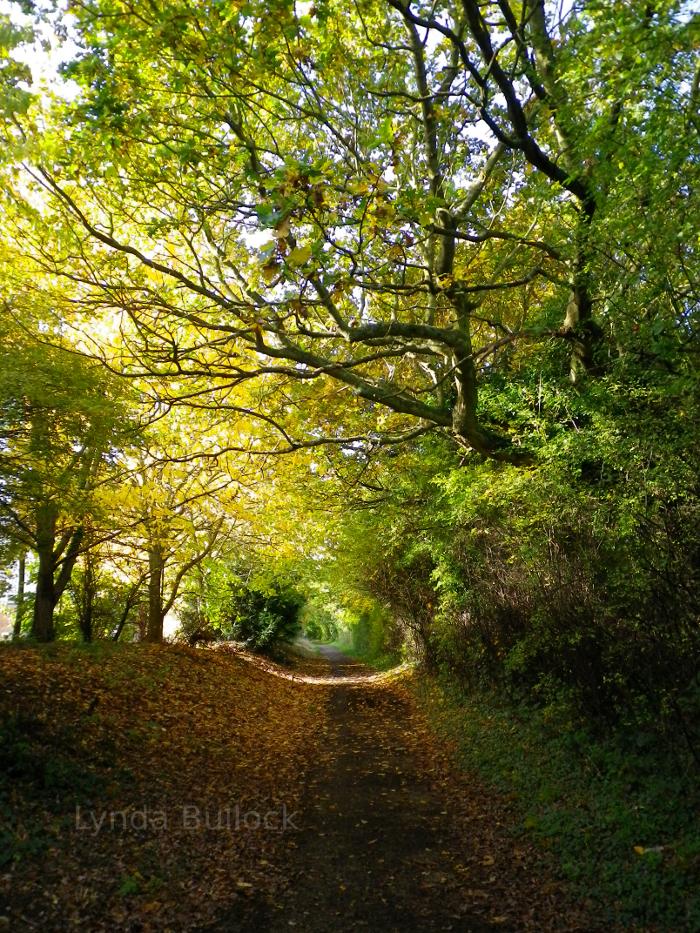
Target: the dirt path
(391, 839)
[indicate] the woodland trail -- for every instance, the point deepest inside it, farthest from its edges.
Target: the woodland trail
(390, 838)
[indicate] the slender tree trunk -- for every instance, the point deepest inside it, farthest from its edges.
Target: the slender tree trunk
(579, 323)
(116, 634)
(19, 603)
(87, 603)
(86, 628)
(129, 604)
(156, 568)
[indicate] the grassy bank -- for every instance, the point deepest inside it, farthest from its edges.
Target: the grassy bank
(371, 652)
(619, 817)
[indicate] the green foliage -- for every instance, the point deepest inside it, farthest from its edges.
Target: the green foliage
(130, 884)
(15, 98)
(60, 418)
(572, 583)
(319, 621)
(618, 815)
(262, 609)
(578, 579)
(263, 615)
(431, 261)
(39, 761)
(370, 636)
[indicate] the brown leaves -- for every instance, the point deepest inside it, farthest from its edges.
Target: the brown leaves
(188, 751)
(174, 729)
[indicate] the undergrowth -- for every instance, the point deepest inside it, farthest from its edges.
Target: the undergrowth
(618, 815)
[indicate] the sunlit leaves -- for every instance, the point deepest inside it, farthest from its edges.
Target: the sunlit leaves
(258, 192)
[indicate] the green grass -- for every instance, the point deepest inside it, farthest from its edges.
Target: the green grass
(380, 662)
(600, 807)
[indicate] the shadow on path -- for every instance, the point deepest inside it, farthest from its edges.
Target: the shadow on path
(380, 846)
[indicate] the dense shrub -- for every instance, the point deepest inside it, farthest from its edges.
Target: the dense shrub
(265, 616)
(573, 582)
(261, 609)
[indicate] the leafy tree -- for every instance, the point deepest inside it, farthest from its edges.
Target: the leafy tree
(400, 198)
(15, 99)
(60, 421)
(170, 525)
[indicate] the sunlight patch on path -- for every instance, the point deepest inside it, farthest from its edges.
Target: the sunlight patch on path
(352, 673)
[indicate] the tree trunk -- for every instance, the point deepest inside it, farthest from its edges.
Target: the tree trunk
(19, 602)
(55, 567)
(156, 568)
(86, 621)
(129, 604)
(45, 598)
(116, 634)
(584, 332)
(86, 605)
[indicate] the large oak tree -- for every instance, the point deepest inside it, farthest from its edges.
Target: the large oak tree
(397, 197)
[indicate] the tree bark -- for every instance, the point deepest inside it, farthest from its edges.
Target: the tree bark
(86, 605)
(56, 562)
(579, 323)
(19, 602)
(156, 569)
(45, 598)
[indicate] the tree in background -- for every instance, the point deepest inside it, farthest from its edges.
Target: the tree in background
(174, 513)
(105, 593)
(62, 422)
